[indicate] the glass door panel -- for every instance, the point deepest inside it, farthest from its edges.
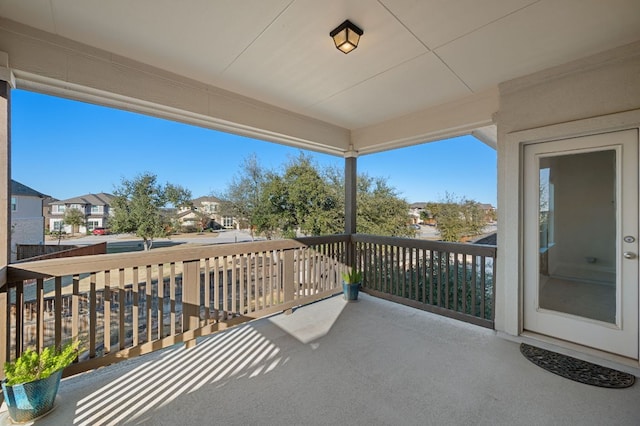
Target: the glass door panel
(577, 228)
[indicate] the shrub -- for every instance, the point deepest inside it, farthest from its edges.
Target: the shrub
(32, 365)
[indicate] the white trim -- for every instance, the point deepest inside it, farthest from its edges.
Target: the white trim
(509, 297)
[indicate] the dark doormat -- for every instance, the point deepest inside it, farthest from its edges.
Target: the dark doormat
(576, 369)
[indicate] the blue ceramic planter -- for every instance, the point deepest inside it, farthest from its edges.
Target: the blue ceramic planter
(28, 401)
(350, 291)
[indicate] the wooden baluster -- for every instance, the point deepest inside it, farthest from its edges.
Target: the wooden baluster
(93, 308)
(161, 297)
(149, 304)
(107, 312)
(122, 303)
(135, 288)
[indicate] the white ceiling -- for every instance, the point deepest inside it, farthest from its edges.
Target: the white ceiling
(414, 54)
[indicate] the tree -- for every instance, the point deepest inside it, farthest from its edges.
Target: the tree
(138, 207)
(380, 211)
(202, 220)
(308, 199)
(75, 218)
(302, 199)
(244, 192)
(457, 218)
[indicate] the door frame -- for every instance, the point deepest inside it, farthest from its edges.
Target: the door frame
(510, 271)
(620, 337)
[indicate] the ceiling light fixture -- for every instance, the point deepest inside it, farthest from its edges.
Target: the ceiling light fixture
(346, 36)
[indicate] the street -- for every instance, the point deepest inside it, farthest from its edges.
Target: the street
(125, 242)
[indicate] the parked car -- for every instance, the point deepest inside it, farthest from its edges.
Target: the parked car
(100, 231)
(414, 226)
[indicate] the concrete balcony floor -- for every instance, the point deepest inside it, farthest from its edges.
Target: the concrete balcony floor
(371, 362)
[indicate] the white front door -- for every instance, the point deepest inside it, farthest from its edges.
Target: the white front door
(581, 241)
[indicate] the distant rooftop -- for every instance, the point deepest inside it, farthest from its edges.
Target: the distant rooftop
(101, 199)
(18, 188)
(490, 240)
(205, 199)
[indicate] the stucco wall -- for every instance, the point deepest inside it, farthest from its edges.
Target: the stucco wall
(27, 223)
(26, 231)
(27, 207)
(573, 99)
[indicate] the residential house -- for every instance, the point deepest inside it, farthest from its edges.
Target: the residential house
(415, 211)
(489, 212)
(95, 207)
(46, 211)
(210, 206)
(551, 85)
(27, 221)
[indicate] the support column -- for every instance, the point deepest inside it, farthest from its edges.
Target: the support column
(350, 207)
(350, 191)
(7, 81)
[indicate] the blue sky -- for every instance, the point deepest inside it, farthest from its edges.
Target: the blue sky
(66, 148)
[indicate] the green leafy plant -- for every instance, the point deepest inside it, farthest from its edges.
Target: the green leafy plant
(352, 277)
(32, 365)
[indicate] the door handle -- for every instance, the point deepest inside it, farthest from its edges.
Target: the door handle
(629, 255)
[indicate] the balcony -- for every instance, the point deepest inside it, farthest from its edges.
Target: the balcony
(332, 362)
(374, 361)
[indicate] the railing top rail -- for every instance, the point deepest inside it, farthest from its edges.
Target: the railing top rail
(462, 248)
(105, 262)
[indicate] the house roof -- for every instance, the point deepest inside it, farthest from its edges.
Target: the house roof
(491, 239)
(417, 205)
(424, 70)
(48, 200)
(205, 199)
(20, 189)
(101, 199)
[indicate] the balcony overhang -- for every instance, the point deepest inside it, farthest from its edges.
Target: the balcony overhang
(56, 66)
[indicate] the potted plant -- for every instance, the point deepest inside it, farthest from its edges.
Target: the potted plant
(31, 381)
(351, 282)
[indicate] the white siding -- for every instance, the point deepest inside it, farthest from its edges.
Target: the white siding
(26, 231)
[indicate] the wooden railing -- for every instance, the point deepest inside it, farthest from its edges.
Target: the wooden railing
(451, 279)
(127, 304)
(123, 305)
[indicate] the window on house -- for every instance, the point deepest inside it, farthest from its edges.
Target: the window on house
(96, 209)
(227, 222)
(14, 205)
(210, 207)
(59, 208)
(93, 224)
(58, 225)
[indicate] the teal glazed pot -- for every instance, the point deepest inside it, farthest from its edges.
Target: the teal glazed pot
(350, 291)
(28, 401)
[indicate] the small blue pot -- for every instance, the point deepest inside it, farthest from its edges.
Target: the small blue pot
(350, 291)
(28, 401)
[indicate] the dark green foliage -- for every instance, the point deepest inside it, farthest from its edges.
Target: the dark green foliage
(75, 218)
(138, 204)
(433, 281)
(352, 277)
(303, 199)
(32, 365)
(307, 199)
(380, 210)
(456, 218)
